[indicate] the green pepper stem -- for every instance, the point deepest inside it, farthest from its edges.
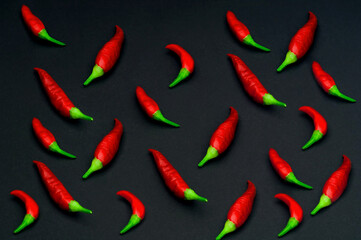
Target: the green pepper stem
(74, 206)
(211, 153)
(292, 179)
(229, 227)
(290, 58)
(324, 202)
(28, 219)
(268, 99)
(75, 113)
(134, 220)
(95, 166)
(183, 74)
(291, 224)
(43, 34)
(97, 72)
(335, 92)
(189, 194)
(249, 41)
(54, 147)
(316, 136)
(159, 117)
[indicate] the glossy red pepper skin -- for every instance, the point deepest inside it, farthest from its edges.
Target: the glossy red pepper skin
(137, 207)
(222, 137)
(151, 108)
(251, 84)
(47, 139)
(296, 213)
(301, 42)
(32, 209)
(172, 178)
(58, 98)
(106, 149)
(36, 26)
(239, 211)
(320, 125)
(107, 56)
(241, 31)
(57, 190)
(327, 83)
(283, 169)
(335, 185)
(186, 60)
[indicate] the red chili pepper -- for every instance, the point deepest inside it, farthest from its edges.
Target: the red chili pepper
(239, 211)
(284, 170)
(57, 190)
(58, 97)
(151, 108)
(320, 125)
(251, 84)
(335, 185)
(187, 63)
(106, 149)
(301, 42)
(32, 209)
(107, 56)
(137, 207)
(47, 138)
(36, 26)
(222, 137)
(241, 31)
(296, 213)
(327, 83)
(172, 178)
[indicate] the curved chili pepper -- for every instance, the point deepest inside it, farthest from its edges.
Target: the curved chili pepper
(107, 56)
(296, 213)
(106, 149)
(335, 185)
(320, 125)
(151, 108)
(301, 42)
(327, 83)
(57, 190)
(47, 138)
(239, 211)
(284, 170)
(36, 26)
(187, 63)
(222, 137)
(32, 209)
(251, 84)
(241, 31)
(172, 178)
(137, 207)
(58, 97)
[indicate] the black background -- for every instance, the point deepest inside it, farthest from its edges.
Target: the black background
(199, 104)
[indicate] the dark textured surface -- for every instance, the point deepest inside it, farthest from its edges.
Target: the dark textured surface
(199, 104)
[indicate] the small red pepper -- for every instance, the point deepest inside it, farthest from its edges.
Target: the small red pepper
(151, 108)
(251, 84)
(47, 138)
(137, 208)
(32, 209)
(284, 170)
(241, 31)
(58, 97)
(57, 190)
(296, 213)
(106, 149)
(335, 185)
(239, 211)
(172, 178)
(36, 26)
(327, 83)
(301, 42)
(186, 60)
(107, 56)
(320, 125)
(222, 137)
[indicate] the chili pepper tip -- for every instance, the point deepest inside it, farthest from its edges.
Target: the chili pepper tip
(211, 153)
(74, 206)
(97, 72)
(324, 202)
(134, 220)
(335, 92)
(290, 58)
(43, 34)
(316, 136)
(95, 166)
(183, 74)
(54, 147)
(75, 113)
(229, 227)
(159, 117)
(189, 194)
(249, 41)
(291, 224)
(28, 219)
